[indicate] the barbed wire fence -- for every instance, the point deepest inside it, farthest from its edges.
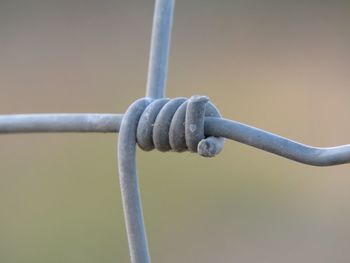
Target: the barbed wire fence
(178, 124)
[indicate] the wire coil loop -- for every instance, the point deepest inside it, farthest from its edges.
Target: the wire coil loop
(177, 125)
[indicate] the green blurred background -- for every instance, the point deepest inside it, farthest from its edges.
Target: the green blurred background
(278, 65)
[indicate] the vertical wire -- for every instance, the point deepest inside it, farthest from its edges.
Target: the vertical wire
(135, 228)
(160, 45)
(158, 67)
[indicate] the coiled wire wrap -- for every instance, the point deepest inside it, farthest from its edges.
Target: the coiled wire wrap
(178, 125)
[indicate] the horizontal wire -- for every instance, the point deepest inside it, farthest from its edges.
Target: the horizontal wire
(74, 122)
(35, 123)
(317, 156)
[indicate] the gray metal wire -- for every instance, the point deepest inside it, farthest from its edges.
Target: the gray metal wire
(157, 74)
(73, 122)
(135, 227)
(233, 130)
(178, 124)
(160, 45)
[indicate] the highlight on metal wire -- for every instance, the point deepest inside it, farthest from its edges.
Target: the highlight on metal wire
(178, 125)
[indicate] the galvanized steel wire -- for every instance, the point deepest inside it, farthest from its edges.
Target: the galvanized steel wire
(68, 122)
(233, 130)
(156, 83)
(156, 122)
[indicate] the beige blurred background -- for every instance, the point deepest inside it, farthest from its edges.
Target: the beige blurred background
(279, 65)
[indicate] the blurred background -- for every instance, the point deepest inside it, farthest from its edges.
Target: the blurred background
(282, 66)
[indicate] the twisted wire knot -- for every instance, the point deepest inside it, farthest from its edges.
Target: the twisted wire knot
(176, 125)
